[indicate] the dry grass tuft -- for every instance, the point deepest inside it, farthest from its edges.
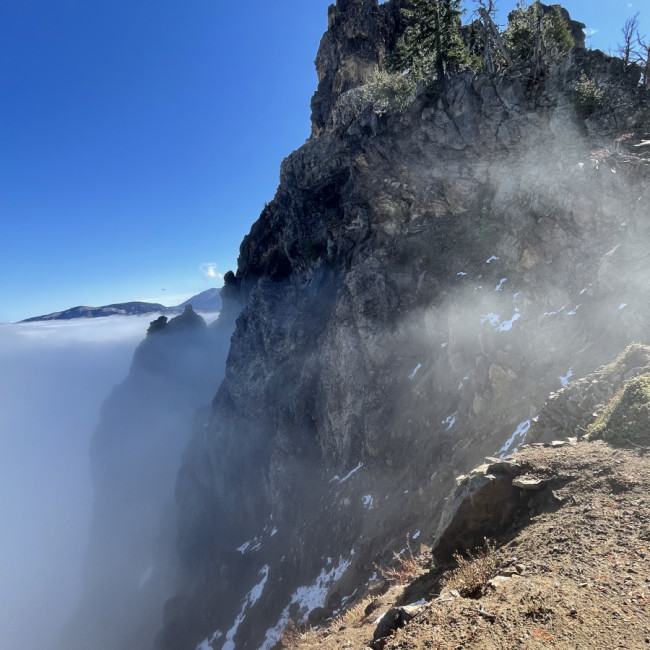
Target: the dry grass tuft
(471, 576)
(293, 636)
(354, 616)
(406, 567)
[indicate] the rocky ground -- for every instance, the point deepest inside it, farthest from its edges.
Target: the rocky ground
(572, 570)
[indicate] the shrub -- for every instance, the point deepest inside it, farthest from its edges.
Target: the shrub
(392, 92)
(407, 567)
(471, 576)
(589, 97)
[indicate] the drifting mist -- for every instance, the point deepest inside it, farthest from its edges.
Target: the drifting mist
(55, 377)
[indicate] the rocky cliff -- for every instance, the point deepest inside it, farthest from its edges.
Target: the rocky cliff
(422, 280)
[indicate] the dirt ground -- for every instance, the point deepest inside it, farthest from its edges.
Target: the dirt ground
(575, 575)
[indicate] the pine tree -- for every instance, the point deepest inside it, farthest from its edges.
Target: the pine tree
(432, 41)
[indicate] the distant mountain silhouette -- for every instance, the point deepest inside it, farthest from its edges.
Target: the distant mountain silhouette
(206, 301)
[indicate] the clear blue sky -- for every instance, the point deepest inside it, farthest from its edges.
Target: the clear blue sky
(141, 139)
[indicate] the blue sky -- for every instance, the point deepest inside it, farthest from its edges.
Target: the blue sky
(141, 139)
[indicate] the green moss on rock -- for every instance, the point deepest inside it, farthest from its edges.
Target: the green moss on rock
(627, 416)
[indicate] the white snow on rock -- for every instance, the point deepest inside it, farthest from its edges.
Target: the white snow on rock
(336, 479)
(565, 380)
(450, 420)
(495, 321)
(206, 644)
(500, 285)
(520, 432)
(494, 258)
(415, 370)
(491, 318)
(507, 324)
(367, 501)
(254, 544)
(623, 305)
(416, 534)
(553, 313)
(307, 598)
(249, 600)
(461, 273)
(573, 311)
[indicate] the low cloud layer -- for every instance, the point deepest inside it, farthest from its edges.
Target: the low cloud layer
(55, 376)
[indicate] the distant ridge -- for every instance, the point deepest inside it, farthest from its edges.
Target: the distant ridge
(206, 301)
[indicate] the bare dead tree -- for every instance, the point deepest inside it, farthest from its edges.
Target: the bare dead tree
(486, 10)
(630, 32)
(643, 58)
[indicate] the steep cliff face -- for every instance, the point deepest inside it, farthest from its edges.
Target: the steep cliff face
(135, 456)
(420, 283)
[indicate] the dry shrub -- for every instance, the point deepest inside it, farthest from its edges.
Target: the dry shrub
(354, 616)
(406, 567)
(471, 576)
(292, 635)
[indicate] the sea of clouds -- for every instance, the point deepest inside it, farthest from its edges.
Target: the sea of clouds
(54, 376)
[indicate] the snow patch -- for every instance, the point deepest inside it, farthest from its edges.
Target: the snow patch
(623, 305)
(494, 258)
(491, 318)
(573, 311)
(249, 600)
(500, 285)
(450, 420)
(415, 371)
(336, 479)
(307, 598)
(461, 273)
(495, 321)
(520, 432)
(553, 313)
(206, 644)
(367, 501)
(585, 289)
(254, 544)
(416, 534)
(507, 324)
(565, 380)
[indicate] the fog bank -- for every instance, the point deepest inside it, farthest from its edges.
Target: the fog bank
(54, 377)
